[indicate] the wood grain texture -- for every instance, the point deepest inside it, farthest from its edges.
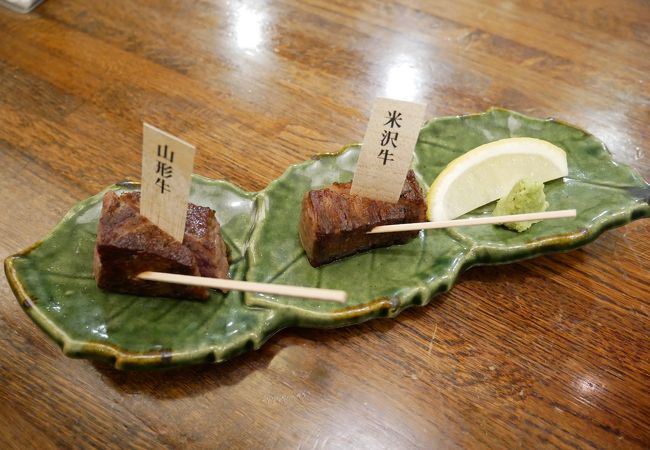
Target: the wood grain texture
(551, 352)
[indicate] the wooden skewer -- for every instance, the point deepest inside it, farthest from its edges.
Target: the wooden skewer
(329, 295)
(333, 295)
(492, 220)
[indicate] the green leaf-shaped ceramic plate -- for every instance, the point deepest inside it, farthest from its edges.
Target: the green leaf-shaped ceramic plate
(53, 278)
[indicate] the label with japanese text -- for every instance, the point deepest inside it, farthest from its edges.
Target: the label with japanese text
(387, 151)
(167, 164)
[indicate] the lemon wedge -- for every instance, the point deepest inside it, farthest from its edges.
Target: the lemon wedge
(489, 172)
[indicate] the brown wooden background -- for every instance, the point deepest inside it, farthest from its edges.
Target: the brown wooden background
(552, 352)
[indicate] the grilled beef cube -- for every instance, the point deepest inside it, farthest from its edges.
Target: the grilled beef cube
(203, 238)
(333, 222)
(129, 243)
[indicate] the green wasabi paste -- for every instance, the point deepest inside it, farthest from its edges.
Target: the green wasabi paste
(527, 196)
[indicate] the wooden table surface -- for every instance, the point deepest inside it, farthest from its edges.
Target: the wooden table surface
(550, 352)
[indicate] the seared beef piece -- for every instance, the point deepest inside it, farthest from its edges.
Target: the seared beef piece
(333, 222)
(203, 238)
(129, 243)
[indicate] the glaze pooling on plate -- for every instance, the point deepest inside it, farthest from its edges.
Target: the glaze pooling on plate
(53, 279)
